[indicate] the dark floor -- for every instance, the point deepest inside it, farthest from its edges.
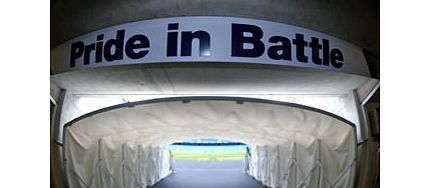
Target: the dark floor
(194, 174)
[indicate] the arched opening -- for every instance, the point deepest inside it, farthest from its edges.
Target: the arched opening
(207, 149)
(208, 162)
(292, 145)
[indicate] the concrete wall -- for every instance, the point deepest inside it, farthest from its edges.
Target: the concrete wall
(353, 21)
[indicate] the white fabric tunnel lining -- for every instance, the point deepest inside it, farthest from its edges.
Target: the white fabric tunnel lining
(291, 146)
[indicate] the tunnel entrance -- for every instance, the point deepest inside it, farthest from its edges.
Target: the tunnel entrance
(290, 145)
(208, 149)
(208, 162)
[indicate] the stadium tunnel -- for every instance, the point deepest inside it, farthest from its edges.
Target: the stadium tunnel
(121, 146)
(306, 98)
(304, 132)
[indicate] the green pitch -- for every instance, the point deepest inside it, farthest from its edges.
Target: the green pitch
(216, 156)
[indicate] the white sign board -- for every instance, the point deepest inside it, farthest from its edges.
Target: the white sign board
(208, 39)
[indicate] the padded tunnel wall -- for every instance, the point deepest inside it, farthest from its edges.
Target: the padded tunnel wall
(293, 146)
(294, 165)
(114, 164)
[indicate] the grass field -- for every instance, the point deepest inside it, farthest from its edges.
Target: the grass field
(215, 156)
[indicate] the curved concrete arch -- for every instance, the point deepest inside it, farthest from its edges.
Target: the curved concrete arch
(356, 22)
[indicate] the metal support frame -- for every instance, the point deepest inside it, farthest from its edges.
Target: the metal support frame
(55, 127)
(207, 98)
(370, 95)
(53, 100)
(362, 122)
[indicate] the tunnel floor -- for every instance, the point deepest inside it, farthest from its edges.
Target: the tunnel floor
(208, 174)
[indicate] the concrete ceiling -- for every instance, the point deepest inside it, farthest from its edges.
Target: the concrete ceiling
(356, 22)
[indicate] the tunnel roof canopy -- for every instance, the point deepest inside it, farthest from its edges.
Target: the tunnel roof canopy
(176, 119)
(112, 136)
(125, 133)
